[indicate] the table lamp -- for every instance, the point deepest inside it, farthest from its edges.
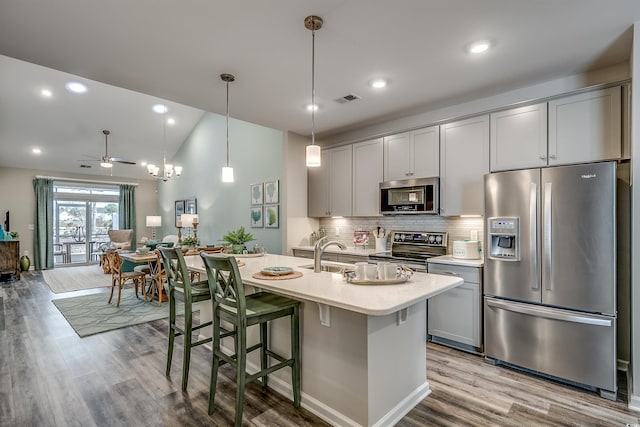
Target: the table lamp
(154, 221)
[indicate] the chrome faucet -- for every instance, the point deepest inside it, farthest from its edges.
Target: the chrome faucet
(318, 250)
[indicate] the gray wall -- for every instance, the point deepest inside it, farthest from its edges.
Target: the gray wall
(256, 154)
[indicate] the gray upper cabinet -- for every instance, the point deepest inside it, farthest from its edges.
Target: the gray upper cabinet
(585, 127)
(330, 185)
(412, 154)
(367, 175)
(519, 138)
(464, 160)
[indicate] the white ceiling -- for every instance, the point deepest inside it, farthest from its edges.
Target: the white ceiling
(177, 50)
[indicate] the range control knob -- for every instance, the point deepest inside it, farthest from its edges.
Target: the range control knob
(432, 238)
(438, 239)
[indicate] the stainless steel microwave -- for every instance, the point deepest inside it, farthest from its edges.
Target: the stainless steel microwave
(410, 196)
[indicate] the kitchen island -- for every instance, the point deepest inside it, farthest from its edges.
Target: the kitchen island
(363, 347)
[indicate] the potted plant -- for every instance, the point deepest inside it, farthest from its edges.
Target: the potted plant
(237, 239)
(190, 241)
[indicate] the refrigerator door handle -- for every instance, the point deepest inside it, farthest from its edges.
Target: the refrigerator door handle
(533, 234)
(524, 309)
(547, 235)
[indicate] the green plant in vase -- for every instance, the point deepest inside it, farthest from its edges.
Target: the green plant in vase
(237, 239)
(189, 241)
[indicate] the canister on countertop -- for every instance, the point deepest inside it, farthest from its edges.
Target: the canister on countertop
(466, 249)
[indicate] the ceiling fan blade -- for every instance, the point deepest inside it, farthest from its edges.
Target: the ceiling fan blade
(119, 160)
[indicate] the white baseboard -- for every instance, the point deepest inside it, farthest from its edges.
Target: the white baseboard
(407, 404)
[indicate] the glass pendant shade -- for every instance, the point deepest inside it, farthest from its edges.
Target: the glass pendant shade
(227, 174)
(313, 156)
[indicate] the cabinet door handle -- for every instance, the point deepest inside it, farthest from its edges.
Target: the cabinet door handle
(553, 156)
(543, 157)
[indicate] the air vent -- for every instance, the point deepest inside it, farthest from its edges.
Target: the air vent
(86, 166)
(347, 98)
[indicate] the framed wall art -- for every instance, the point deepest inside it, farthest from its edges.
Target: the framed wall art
(179, 211)
(191, 206)
(271, 216)
(271, 193)
(257, 217)
(257, 196)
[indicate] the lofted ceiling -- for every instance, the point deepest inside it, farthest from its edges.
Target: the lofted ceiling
(135, 54)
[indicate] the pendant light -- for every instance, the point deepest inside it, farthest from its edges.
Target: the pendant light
(227, 171)
(313, 23)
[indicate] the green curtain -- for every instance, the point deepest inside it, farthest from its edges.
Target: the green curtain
(43, 232)
(127, 208)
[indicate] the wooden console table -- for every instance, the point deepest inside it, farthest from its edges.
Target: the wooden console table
(10, 258)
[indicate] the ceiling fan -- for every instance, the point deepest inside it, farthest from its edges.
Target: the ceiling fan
(106, 161)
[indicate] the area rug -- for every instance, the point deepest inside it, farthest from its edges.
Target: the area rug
(67, 279)
(90, 314)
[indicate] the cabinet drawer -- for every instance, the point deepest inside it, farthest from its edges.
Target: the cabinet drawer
(302, 253)
(468, 274)
(352, 258)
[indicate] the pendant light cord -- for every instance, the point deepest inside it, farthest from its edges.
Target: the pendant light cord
(164, 138)
(227, 124)
(313, 86)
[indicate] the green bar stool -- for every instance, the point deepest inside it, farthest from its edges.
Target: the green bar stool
(232, 305)
(181, 289)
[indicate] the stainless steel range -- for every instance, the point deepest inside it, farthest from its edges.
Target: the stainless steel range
(413, 248)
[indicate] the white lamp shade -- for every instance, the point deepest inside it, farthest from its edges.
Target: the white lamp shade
(187, 219)
(313, 156)
(227, 174)
(154, 221)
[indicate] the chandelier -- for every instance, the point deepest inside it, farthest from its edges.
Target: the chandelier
(168, 170)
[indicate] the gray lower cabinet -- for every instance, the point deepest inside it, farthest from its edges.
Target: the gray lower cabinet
(454, 317)
(331, 256)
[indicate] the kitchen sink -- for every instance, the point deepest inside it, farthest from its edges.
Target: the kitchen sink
(331, 268)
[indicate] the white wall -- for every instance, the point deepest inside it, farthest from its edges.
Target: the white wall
(256, 155)
(298, 225)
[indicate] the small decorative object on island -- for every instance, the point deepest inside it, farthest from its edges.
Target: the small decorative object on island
(237, 238)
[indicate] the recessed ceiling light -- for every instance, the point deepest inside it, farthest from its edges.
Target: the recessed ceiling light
(36, 150)
(46, 93)
(479, 46)
(171, 121)
(76, 87)
(159, 108)
(312, 107)
(378, 83)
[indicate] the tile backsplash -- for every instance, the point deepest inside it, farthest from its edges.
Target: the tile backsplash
(341, 229)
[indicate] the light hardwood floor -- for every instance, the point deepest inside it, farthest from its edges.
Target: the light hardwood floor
(51, 377)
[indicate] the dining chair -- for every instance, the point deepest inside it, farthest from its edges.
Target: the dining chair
(230, 304)
(182, 290)
(58, 250)
(121, 277)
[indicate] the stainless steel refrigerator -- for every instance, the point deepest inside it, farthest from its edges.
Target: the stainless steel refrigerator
(550, 272)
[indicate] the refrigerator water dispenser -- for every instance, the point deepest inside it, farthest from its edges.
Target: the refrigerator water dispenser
(504, 238)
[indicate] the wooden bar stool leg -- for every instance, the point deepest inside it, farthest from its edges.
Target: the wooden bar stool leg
(172, 331)
(188, 325)
(215, 364)
(295, 352)
(263, 353)
(241, 373)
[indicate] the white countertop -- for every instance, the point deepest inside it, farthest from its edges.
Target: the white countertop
(333, 290)
(349, 251)
(448, 259)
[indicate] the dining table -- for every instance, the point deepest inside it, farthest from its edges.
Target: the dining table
(152, 260)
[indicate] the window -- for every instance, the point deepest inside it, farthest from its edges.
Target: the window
(82, 215)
